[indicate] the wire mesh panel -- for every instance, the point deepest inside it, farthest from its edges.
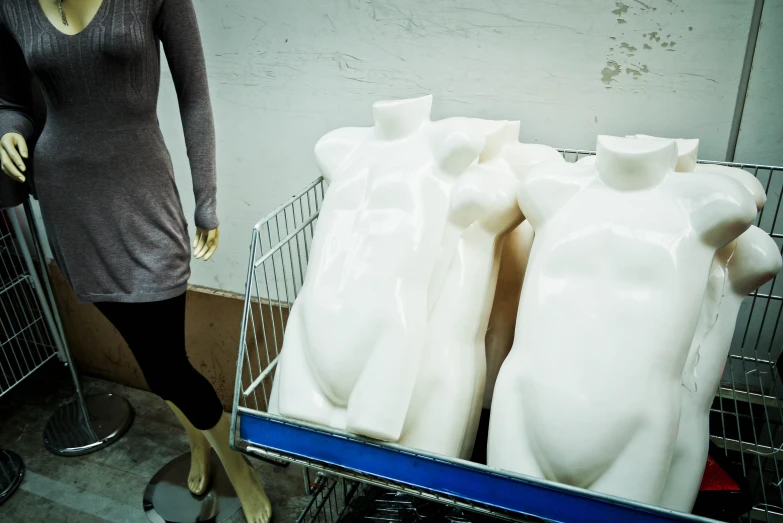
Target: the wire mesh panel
(280, 249)
(746, 417)
(331, 497)
(747, 414)
(25, 342)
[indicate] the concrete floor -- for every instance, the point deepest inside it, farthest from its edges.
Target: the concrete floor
(106, 485)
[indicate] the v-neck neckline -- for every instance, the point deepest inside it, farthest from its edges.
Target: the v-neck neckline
(41, 12)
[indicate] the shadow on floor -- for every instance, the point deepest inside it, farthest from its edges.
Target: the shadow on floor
(106, 485)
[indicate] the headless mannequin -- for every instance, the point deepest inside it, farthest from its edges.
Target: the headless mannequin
(13, 153)
(610, 266)
(738, 269)
(446, 406)
(412, 206)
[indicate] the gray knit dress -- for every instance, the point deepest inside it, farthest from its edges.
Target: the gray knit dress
(104, 177)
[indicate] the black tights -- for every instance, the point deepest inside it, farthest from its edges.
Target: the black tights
(155, 333)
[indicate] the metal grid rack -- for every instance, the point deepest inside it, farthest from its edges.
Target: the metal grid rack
(330, 498)
(746, 417)
(25, 342)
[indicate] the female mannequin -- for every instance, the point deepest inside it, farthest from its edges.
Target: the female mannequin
(106, 186)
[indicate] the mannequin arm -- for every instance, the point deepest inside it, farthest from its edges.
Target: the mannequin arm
(16, 122)
(177, 28)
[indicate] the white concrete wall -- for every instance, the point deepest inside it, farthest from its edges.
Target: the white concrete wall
(761, 132)
(283, 73)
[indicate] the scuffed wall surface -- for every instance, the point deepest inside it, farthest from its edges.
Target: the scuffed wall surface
(282, 74)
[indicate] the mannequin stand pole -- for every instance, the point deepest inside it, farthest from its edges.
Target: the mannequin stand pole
(83, 425)
(167, 497)
(11, 473)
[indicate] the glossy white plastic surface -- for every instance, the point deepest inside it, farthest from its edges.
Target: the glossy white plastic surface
(738, 269)
(446, 406)
(590, 393)
(687, 151)
(386, 336)
(513, 263)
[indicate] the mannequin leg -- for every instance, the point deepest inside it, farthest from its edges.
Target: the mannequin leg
(255, 502)
(155, 333)
(200, 471)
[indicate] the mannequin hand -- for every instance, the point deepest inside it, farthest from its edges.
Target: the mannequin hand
(13, 148)
(206, 243)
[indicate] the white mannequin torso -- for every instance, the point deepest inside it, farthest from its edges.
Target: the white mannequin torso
(445, 409)
(737, 270)
(621, 249)
(401, 196)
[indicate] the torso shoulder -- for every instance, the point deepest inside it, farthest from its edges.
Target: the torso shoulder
(720, 207)
(549, 187)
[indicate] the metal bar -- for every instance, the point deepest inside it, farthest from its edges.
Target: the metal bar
(749, 397)
(16, 282)
(17, 333)
(35, 234)
(261, 377)
(287, 203)
(242, 344)
(747, 448)
(742, 91)
(59, 342)
(760, 514)
(751, 359)
(287, 239)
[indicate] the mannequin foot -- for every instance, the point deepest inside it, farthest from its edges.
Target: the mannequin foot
(244, 479)
(200, 459)
(200, 465)
(251, 494)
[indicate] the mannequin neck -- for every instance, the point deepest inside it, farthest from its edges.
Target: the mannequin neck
(395, 119)
(628, 164)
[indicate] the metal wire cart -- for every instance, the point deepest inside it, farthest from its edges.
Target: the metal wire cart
(746, 416)
(25, 341)
(31, 333)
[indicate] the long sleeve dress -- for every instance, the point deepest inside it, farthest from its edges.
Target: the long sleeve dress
(103, 175)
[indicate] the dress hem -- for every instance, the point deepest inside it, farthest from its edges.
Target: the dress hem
(140, 297)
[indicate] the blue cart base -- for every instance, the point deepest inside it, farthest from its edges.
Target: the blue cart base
(461, 483)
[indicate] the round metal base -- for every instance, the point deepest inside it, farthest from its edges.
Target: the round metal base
(68, 434)
(11, 473)
(167, 498)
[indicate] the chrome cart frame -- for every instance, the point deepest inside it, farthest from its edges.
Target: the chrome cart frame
(746, 418)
